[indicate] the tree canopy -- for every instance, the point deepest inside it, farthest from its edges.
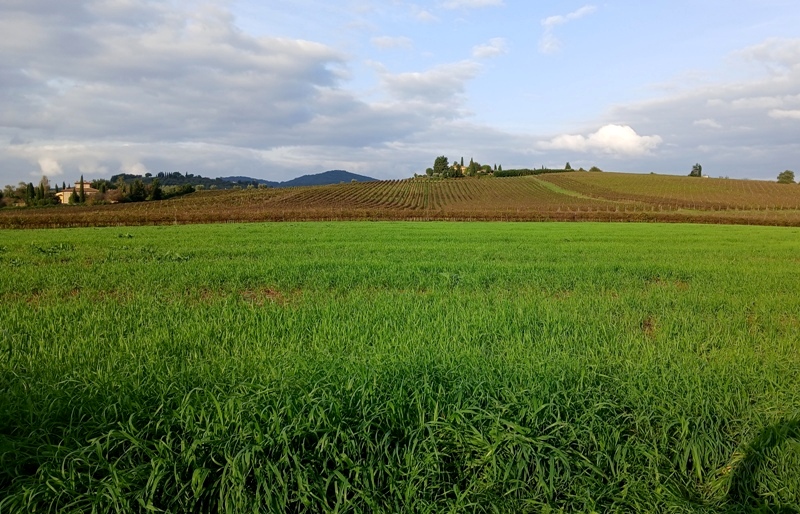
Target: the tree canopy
(786, 177)
(441, 165)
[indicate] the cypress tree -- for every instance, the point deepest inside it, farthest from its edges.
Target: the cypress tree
(82, 193)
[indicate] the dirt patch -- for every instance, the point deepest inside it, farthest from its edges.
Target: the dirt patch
(264, 295)
(563, 294)
(649, 327)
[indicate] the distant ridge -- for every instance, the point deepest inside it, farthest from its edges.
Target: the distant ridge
(318, 179)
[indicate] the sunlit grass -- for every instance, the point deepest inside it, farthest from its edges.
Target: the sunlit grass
(382, 367)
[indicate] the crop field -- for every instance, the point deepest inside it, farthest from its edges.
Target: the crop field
(673, 192)
(556, 197)
(400, 367)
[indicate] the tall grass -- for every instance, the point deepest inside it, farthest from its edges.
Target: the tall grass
(393, 367)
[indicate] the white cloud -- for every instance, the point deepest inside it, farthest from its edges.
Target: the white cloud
(782, 114)
(778, 54)
(708, 122)
(495, 46)
(440, 86)
(471, 4)
(425, 16)
(388, 43)
(49, 167)
(758, 102)
(620, 140)
(553, 21)
(549, 43)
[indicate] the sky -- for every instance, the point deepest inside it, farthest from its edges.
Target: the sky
(277, 89)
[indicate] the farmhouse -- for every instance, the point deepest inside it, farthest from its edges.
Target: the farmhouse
(88, 190)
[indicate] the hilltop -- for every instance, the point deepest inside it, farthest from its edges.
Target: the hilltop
(317, 179)
(568, 196)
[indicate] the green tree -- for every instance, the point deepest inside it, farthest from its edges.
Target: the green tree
(462, 161)
(697, 171)
(499, 167)
(138, 192)
(568, 167)
(472, 170)
(30, 193)
(440, 165)
(595, 169)
(155, 190)
(786, 177)
(73, 197)
(82, 193)
(429, 172)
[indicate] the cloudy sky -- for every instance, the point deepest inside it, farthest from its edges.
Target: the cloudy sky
(276, 89)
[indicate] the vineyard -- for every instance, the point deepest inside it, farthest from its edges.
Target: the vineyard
(557, 197)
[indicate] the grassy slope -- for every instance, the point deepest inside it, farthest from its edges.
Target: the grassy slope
(400, 367)
(567, 196)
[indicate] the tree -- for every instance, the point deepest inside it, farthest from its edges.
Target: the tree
(472, 170)
(440, 165)
(462, 161)
(82, 194)
(595, 169)
(73, 197)
(786, 177)
(138, 193)
(499, 167)
(429, 172)
(155, 191)
(697, 171)
(568, 167)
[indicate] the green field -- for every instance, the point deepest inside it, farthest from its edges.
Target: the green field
(400, 367)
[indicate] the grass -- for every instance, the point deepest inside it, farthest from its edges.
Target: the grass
(377, 367)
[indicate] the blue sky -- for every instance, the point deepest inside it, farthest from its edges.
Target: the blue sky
(280, 89)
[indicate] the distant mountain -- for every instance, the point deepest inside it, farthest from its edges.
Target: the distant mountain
(250, 180)
(319, 179)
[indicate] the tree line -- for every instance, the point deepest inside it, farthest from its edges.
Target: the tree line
(443, 169)
(96, 192)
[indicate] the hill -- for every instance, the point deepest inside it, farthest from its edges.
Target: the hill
(317, 179)
(571, 196)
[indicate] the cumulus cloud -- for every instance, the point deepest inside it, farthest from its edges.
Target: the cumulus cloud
(439, 88)
(620, 140)
(49, 167)
(109, 86)
(753, 120)
(779, 54)
(495, 46)
(708, 122)
(549, 43)
(782, 114)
